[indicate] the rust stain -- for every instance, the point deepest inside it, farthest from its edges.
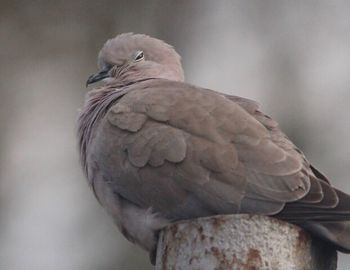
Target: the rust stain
(165, 253)
(224, 263)
(303, 238)
(173, 229)
(217, 221)
(215, 251)
(200, 231)
(200, 228)
(254, 261)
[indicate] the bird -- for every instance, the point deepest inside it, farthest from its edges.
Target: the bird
(156, 150)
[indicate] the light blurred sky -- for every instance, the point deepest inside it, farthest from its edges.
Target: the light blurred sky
(292, 56)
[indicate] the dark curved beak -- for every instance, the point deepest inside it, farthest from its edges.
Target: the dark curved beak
(98, 76)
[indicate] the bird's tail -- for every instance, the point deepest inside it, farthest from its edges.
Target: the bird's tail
(329, 223)
(335, 232)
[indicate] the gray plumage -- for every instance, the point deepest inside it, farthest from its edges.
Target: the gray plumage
(156, 149)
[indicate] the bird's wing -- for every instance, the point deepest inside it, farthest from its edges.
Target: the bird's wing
(188, 152)
(322, 202)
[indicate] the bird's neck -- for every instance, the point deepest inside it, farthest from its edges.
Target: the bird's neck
(96, 105)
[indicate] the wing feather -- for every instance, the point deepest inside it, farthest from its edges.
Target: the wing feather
(220, 150)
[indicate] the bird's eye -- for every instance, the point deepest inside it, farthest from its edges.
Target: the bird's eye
(139, 56)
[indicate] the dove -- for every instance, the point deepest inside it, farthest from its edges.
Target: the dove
(156, 150)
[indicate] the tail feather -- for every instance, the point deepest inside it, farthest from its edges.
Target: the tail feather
(328, 219)
(337, 233)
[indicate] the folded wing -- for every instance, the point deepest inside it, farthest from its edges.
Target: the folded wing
(189, 152)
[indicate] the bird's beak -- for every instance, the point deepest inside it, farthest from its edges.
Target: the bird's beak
(104, 73)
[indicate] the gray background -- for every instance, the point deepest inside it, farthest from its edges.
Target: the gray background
(292, 56)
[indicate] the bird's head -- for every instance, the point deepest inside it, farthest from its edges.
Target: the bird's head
(132, 57)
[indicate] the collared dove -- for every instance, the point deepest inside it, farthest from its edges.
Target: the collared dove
(156, 150)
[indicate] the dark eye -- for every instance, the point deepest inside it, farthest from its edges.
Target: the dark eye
(139, 56)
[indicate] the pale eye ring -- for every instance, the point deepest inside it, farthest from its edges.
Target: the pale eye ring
(138, 56)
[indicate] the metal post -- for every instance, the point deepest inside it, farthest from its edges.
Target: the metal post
(241, 242)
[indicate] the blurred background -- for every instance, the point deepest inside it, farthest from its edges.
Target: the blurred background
(292, 56)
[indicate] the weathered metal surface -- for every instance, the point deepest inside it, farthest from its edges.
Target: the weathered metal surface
(245, 242)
